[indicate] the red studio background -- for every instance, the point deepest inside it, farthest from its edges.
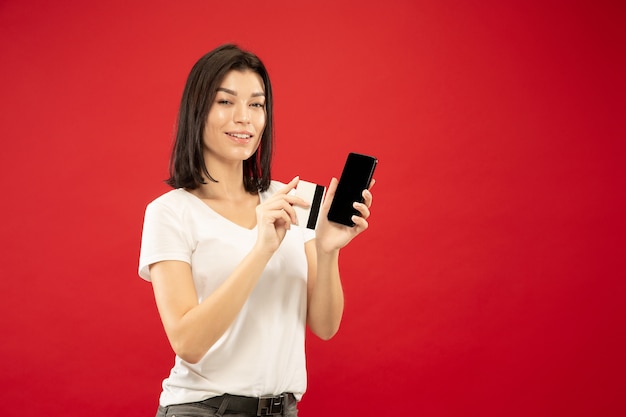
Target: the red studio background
(491, 281)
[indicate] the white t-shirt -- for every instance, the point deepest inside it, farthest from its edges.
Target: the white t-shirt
(262, 352)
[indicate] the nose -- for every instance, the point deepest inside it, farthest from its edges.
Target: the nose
(242, 114)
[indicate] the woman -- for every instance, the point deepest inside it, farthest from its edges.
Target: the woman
(234, 278)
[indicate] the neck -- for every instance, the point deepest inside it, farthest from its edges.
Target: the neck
(229, 185)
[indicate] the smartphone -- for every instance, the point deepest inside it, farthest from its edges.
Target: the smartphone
(356, 177)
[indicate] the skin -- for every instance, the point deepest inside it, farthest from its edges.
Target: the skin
(192, 327)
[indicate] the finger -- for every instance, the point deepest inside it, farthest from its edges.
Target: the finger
(281, 207)
(290, 185)
(288, 210)
(362, 209)
(287, 204)
(291, 213)
(333, 185)
(281, 200)
(367, 198)
(371, 184)
(279, 217)
(360, 224)
(330, 193)
(285, 219)
(295, 200)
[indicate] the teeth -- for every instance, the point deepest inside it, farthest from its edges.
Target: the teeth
(240, 135)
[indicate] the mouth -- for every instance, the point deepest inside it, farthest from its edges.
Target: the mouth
(240, 137)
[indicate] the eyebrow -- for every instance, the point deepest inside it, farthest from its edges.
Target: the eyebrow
(234, 93)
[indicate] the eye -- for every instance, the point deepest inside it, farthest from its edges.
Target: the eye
(223, 101)
(258, 105)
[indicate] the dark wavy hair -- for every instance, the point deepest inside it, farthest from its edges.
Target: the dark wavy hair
(187, 166)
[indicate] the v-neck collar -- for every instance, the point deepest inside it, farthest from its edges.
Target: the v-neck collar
(218, 215)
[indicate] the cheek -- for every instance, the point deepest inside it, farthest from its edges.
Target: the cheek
(214, 121)
(260, 122)
(217, 116)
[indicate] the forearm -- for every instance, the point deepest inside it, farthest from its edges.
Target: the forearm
(325, 294)
(326, 301)
(195, 329)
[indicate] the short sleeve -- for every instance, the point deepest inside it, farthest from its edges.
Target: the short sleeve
(163, 238)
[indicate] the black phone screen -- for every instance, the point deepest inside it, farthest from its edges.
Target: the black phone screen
(356, 177)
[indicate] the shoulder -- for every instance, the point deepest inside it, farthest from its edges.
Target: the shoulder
(173, 199)
(173, 204)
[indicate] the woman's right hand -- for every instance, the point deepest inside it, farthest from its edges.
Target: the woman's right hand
(276, 215)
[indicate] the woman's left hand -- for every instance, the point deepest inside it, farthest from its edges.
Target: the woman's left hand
(331, 236)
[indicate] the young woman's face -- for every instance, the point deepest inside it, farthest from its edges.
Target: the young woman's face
(236, 118)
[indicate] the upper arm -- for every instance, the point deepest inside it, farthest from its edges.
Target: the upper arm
(174, 292)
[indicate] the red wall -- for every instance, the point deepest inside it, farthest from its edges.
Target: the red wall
(491, 281)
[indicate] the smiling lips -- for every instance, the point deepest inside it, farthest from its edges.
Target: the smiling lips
(240, 137)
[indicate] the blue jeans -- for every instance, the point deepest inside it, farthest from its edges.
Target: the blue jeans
(199, 409)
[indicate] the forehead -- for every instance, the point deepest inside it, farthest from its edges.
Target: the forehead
(245, 81)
